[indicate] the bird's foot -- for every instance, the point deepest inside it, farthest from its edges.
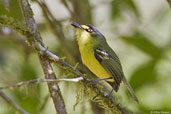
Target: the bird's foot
(98, 80)
(110, 94)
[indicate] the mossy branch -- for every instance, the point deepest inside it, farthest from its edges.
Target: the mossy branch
(91, 89)
(46, 66)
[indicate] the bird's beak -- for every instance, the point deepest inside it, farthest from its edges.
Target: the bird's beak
(76, 25)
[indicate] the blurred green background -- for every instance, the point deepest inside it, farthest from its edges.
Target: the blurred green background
(139, 31)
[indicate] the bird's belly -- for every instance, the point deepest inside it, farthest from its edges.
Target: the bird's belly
(94, 66)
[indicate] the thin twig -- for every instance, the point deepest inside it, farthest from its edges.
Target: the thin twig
(39, 80)
(11, 102)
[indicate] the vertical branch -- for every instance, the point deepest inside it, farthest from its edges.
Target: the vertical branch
(53, 87)
(35, 39)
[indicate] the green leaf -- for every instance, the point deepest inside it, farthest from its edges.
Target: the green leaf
(141, 42)
(143, 75)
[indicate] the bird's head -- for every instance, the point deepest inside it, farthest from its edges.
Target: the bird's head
(87, 34)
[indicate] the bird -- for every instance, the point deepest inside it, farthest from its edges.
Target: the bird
(99, 57)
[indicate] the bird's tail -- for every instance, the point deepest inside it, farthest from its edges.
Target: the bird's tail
(130, 89)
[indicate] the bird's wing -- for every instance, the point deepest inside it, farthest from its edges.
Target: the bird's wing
(111, 64)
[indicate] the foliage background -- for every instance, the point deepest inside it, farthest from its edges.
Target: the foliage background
(139, 31)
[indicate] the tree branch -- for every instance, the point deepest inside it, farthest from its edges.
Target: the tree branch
(103, 99)
(39, 80)
(8, 100)
(34, 39)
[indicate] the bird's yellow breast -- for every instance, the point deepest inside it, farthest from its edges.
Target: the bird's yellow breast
(86, 47)
(94, 66)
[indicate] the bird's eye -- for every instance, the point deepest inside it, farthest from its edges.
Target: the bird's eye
(89, 30)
